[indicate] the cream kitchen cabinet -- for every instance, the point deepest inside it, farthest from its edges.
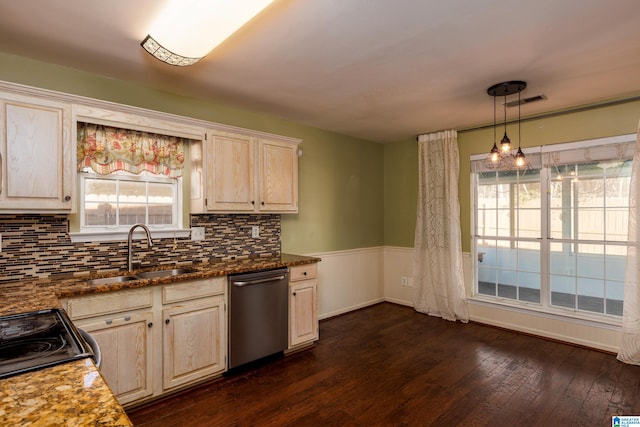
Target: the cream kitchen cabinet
(156, 339)
(123, 325)
(303, 305)
(194, 331)
(37, 155)
(248, 173)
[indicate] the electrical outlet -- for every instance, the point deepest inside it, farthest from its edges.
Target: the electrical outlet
(255, 231)
(405, 281)
(197, 233)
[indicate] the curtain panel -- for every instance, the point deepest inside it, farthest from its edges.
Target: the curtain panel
(107, 149)
(630, 347)
(437, 268)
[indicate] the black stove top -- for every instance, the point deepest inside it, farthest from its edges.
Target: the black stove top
(38, 340)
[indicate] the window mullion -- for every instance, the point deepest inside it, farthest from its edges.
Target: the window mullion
(545, 239)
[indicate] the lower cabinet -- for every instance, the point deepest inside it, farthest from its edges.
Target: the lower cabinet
(194, 345)
(156, 339)
(126, 343)
(303, 305)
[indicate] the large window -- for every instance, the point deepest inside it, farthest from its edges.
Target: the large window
(554, 235)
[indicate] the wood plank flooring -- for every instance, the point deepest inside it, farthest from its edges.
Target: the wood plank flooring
(387, 365)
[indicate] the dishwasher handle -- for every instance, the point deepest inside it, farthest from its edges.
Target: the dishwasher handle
(258, 281)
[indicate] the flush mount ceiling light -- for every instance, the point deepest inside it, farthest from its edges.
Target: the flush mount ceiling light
(504, 156)
(187, 30)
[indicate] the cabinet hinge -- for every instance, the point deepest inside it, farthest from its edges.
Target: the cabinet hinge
(205, 136)
(205, 201)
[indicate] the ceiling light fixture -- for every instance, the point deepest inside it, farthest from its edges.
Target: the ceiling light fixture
(504, 156)
(187, 30)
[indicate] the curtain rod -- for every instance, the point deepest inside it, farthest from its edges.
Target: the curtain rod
(557, 113)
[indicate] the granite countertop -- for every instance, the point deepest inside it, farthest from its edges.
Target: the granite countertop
(27, 296)
(74, 393)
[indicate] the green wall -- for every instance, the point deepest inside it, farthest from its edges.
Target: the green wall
(340, 178)
(400, 192)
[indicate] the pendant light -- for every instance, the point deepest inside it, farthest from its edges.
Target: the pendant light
(504, 156)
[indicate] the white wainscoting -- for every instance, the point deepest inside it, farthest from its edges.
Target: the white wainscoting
(398, 262)
(348, 280)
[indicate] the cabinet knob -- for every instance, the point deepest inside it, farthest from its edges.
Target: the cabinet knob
(127, 318)
(262, 203)
(67, 198)
(305, 273)
(253, 202)
(150, 324)
(108, 321)
(294, 294)
(166, 322)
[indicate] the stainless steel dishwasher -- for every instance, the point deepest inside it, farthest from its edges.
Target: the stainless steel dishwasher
(258, 315)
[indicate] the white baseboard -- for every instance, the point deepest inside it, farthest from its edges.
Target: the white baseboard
(351, 308)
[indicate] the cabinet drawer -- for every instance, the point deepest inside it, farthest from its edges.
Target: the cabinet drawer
(193, 289)
(303, 272)
(109, 302)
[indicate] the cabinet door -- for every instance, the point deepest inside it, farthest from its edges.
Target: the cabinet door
(230, 177)
(37, 155)
(278, 179)
(194, 341)
(126, 344)
(303, 314)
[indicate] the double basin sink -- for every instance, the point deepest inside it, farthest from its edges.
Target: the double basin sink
(140, 276)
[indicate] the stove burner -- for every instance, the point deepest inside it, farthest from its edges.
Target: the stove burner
(37, 340)
(23, 350)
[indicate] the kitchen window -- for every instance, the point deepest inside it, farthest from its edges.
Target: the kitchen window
(119, 200)
(553, 236)
(128, 177)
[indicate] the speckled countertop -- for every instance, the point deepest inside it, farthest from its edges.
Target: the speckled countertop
(74, 393)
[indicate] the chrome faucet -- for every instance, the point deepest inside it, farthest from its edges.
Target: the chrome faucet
(129, 241)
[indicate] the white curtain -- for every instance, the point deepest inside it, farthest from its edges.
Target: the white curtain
(437, 266)
(630, 348)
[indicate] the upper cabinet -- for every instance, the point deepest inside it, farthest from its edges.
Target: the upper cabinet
(278, 176)
(37, 155)
(250, 174)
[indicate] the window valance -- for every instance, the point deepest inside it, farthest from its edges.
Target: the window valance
(107, 149)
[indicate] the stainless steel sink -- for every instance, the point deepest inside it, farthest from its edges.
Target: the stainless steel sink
(164, 273)
(112, 280)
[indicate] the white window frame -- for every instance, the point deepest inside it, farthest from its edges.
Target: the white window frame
(120, 232)
(545, 304)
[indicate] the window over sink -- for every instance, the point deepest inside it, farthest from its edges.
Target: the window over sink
(128, 177)
(119, 200)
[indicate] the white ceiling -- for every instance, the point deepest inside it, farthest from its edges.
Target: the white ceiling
(382, 70)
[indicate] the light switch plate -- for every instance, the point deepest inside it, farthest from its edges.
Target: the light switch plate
(255, 231)
(197, 233)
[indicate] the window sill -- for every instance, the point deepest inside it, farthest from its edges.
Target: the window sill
(611, 322)
(110, 236)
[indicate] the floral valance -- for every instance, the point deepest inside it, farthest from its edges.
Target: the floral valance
(107, 149)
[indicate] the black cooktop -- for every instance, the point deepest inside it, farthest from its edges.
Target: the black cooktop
(38, 340)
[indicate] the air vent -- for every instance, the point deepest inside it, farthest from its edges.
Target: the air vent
(536, 98)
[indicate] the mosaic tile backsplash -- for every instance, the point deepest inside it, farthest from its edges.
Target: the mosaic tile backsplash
(38, 246)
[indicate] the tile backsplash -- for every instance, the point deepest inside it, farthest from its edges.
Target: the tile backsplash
(38, 246)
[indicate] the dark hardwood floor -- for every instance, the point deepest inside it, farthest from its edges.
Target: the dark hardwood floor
(387, 365)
